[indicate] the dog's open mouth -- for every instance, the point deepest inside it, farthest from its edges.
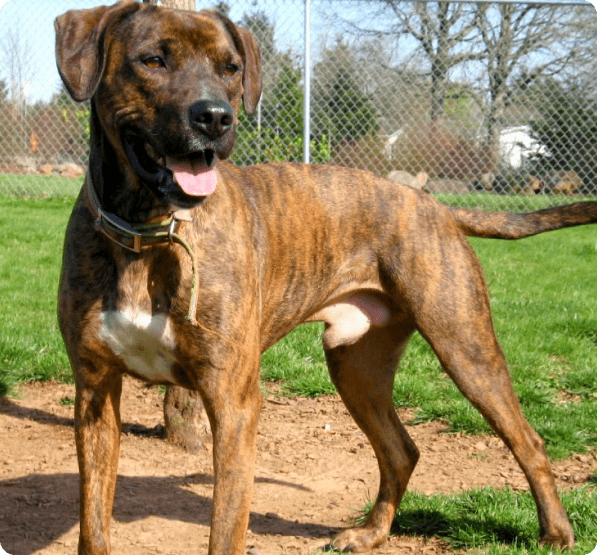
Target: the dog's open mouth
(185, 179)
(195, 174)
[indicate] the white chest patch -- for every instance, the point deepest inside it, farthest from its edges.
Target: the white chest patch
(144, 342)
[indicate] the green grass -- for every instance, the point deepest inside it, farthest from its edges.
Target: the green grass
(298, 364)
(39, 186)
(543, 297)
(31, 236)
(509, 203)
(489, 521)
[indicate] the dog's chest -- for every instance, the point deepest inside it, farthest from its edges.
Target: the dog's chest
(145, 342)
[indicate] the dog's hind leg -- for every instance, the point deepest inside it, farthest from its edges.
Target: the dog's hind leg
(454, 317)
(363, 373)
(484, 379)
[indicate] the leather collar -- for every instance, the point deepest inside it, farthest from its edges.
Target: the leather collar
(130, 236)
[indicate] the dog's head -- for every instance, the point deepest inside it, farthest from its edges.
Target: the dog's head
(166, 87)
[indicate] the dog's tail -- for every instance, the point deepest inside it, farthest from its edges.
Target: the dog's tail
(507, 225)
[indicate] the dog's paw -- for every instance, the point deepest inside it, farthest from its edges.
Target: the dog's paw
(358, 540)
(562, 537)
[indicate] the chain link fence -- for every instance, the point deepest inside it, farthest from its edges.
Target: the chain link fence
(491, 105)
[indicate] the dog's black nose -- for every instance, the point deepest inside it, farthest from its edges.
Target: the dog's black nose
(213, 118)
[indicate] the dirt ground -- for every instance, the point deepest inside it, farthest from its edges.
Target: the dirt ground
(315, 470)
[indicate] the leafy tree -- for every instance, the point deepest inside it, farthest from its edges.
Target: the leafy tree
(341, 108)
(280, 137)
(73, 117)
(263, 29)
(284, 107)
(350, 115)
(462, 110)
(276, 132)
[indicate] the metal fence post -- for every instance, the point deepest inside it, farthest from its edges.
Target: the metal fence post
(307, 86)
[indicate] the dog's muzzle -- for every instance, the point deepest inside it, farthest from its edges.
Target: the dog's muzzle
(185, 178)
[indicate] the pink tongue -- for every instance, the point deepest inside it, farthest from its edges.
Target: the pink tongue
(193, 179)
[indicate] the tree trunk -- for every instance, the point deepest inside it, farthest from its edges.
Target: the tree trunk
(440, 63)
(185, 421)
(439, 80)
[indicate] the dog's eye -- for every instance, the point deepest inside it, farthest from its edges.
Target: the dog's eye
(154, 62)
(231, 69)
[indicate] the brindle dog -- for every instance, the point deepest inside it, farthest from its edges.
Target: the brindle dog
(180, 268)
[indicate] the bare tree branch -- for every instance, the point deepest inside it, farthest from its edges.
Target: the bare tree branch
(18, 61)
(518, 33)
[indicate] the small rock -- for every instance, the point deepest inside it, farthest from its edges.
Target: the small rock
(72, 170)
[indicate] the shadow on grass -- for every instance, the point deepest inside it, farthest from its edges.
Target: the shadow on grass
(461, 531)
(503, 521)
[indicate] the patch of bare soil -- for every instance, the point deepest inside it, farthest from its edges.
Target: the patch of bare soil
(315, 470)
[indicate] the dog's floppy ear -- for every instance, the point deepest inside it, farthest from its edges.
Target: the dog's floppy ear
(247, 46)
(252, 75)
(80, 49)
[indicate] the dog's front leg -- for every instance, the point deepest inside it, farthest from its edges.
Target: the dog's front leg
(97, 435)
(233, 408)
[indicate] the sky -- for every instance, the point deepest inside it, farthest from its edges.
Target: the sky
(32, 22)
